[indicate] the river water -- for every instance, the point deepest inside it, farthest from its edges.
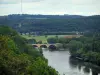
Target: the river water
(61, 61)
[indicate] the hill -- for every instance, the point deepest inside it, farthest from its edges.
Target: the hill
(52, 23)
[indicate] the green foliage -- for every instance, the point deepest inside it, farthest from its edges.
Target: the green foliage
(52, 40)
(63, 40)
(19, 58)
(59, 45)
(5, 30)
(86, 48)
(31, 41)
(74, 46)
(7, 44)
(40, 67)
(39, 42)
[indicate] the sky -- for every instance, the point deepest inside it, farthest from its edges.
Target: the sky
(50, 7)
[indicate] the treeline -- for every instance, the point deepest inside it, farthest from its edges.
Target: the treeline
(43, 23)
(37, 16)
(60, 42)
(19, 58)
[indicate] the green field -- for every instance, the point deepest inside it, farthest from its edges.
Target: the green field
(38, 38)
(43, 38)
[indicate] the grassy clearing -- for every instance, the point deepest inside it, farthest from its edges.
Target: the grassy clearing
(38, 38)
(43, 38)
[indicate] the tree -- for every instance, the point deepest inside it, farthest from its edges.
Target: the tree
(40, 67)
(52, 40)
(74, 46)
(19, 58)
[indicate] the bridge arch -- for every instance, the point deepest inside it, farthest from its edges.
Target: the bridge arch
(43, 46)
(52, 47)
(35, 46)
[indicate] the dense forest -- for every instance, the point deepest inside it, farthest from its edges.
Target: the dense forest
(52, 23)
(86, 48)
(19, 58)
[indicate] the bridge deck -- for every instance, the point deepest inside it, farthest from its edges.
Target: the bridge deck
(43, 44)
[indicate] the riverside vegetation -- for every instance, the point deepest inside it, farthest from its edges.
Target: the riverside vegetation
(19, 58)
(85, 48)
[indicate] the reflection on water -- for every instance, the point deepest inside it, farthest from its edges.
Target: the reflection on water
(83, 66)
(65, 65)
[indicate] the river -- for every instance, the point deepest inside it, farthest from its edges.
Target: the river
(61, 61)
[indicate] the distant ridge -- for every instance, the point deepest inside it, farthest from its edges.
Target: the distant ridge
(66, 16)
(52, 23)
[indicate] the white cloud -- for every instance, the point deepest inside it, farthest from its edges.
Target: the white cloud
(81, 7)
(9, 1)
(17, 1)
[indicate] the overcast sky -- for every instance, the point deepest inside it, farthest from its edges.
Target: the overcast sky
(72, 7)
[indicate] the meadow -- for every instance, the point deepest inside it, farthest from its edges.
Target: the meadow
(44, 38)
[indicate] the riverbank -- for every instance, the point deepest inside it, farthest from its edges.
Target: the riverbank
(85, 59)
(88, 64)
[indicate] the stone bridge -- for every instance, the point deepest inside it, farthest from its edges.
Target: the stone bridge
(53, 46)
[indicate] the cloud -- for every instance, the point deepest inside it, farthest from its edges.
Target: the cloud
(32, 0)
(17, 1)
(9, 1)
(81, 7)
